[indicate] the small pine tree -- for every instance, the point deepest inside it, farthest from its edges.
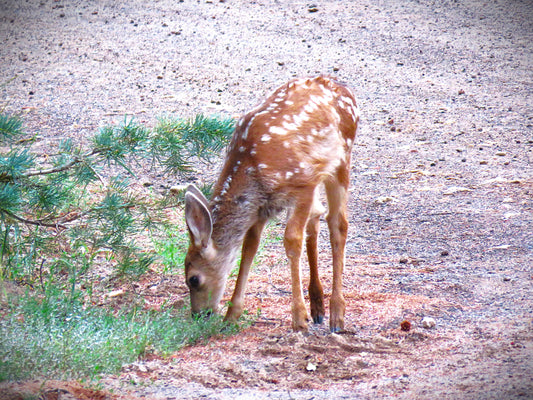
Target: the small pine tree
(60, 211)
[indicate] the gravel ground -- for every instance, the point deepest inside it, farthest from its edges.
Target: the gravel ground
(442, 186)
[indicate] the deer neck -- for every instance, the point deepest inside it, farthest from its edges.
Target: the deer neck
(235, 208)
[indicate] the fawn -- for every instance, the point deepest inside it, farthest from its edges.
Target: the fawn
(280, 153)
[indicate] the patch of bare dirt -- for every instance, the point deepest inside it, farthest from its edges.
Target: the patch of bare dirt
(441, 209)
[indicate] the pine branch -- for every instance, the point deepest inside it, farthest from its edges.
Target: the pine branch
(32, 222)
(61, 168)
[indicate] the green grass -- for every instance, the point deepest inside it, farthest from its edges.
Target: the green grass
(171, 248)
(60, 338)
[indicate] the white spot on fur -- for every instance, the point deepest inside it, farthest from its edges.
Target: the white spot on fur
(245, 133)
(277, 130)
(349, 142)
(347, 100)
(265, 138)
(289, 102)
(286, 144)
(310, 107)
(226, 185)
(301, 118)
(242, 149)
(289, 126)
(336, 115)
(262, 166)
(288, 174)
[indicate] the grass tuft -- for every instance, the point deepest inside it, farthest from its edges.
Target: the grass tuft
(60, 338)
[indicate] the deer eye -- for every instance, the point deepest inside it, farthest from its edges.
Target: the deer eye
(194, 282)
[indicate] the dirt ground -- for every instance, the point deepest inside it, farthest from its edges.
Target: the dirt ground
(441, 207)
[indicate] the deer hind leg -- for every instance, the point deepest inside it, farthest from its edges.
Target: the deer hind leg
(249, 249)
(316, 293)
(293, 241)
(337, 192)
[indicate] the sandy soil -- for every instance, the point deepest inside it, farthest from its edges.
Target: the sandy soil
(441, 209)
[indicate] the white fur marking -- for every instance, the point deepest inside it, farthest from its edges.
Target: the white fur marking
(347, 100)
(277, 130)
(289, 126)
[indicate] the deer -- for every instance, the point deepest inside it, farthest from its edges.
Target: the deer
(281, 153)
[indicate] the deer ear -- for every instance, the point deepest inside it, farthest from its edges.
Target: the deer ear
(198, 218)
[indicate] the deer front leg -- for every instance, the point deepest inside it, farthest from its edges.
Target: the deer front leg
(316, 293)
(293, 247)
(249, 249)
(338, 231)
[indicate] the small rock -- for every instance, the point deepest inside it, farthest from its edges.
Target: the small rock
(455, 189)
(428, 322)
(444, 253)
(310, 367)
(461, 91)
(483, 162)
(501, 154)
(506, 278)
(115, 293)
(312, 8)
(384, 199)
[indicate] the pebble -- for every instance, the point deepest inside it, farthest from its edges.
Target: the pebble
(384, 199)
(428, 322)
